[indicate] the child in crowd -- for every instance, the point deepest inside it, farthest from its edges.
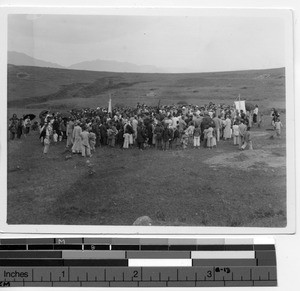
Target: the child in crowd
(209, 134)
(278, 126)
(92, 140)
(184, 140)
(126, 140)
(197, 133)
(55, 137)
(190, 133)
(247, 140)
(214, 140)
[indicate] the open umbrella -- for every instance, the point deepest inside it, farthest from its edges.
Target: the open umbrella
(64, 115)
(30, 116)
(249, 106)
(43, 113)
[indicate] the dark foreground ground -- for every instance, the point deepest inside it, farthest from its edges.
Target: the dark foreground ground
(218, 187)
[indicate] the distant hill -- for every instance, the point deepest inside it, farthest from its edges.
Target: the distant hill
(21, 59)
(114, 66)
(52, 88)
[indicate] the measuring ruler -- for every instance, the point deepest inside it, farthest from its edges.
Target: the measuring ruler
(122, 262)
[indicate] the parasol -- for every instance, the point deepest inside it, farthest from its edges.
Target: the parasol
(30, 116)
(249, 106)
(64, 115)
(43, 113)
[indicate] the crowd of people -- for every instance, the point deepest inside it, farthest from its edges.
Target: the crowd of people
(160, 127)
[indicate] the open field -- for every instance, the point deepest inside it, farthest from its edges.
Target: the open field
(218, 187)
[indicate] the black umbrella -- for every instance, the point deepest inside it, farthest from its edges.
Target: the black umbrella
(64, 115)
(249, 106)
(30, 116)
(43, 113)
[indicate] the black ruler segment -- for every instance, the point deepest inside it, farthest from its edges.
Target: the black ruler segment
(40, 247)
(134, 262)
(125, 247)
(67, 247)
(12, 247)
(238, 247)
(31, 254)
(182, 247)
(154, 247)
(109, 262)
(31, 262)
(96, 247)
(210, 247)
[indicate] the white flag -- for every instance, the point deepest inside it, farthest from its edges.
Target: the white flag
(109, 104)
(240, 105)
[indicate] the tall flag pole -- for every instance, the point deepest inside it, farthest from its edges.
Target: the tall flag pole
(109, 104)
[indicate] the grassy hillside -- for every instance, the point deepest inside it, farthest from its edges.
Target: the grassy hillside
(40, 88)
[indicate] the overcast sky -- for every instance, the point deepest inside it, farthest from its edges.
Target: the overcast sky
(187, 44)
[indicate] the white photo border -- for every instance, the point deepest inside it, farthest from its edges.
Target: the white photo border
(286, 14)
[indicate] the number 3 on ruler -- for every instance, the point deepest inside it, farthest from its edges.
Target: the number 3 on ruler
(209, 274)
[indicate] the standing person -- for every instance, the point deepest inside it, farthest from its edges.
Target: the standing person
(103, 134)
(13, 128)
(176, 137)
(27, 125)
(255, 114)
(62, 129)
(48, 136)
(197, 133)
(166, 137)
(141, 136)
(236, 133)
(77, 146)
(209, 135)
(278, 126)
(247, 140)
(190, 132)
(242, 131)
(92, 140)
(96, 131)
(69, 133)
(19, 128)
(218, 124)
(205, 137)
(111, 135)
(158, 131)
(126, 140)
(184, 140)
(56, 125)
(86, 149)
(227, 128)
(134, 123)
(55, 137)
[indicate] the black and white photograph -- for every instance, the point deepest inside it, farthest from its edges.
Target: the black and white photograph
(179, 120)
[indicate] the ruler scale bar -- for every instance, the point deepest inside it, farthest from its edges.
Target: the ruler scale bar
(134, 262)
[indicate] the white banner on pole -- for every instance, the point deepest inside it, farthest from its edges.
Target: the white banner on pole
(240, 105)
